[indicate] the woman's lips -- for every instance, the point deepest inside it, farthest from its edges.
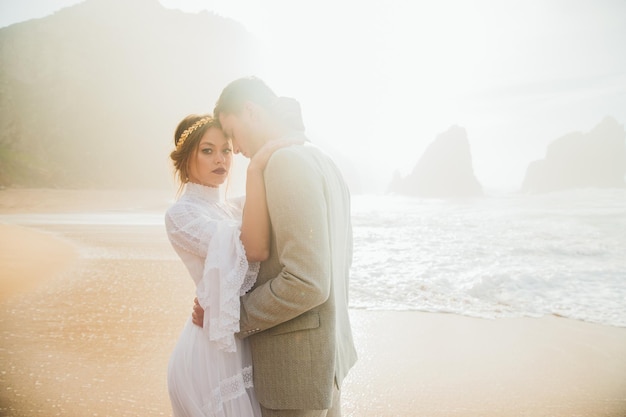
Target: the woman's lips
(219, 171)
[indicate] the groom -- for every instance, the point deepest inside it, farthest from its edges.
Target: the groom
(296, 316)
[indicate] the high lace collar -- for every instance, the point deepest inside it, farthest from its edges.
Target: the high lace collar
(202, 192)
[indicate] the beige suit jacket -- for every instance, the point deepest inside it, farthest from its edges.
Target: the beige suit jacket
(296, 316)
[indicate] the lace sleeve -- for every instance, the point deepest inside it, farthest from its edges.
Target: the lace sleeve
(190, 229)
(227, 275)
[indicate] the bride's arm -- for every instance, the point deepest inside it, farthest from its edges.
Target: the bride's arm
(255, 223)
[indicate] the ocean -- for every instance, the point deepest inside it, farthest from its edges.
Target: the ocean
(502, 255)
(506, 255)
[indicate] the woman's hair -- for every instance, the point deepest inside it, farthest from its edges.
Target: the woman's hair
(186, 138)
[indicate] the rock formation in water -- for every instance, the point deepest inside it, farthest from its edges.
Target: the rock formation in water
(444, 171)
(579, 160)
(90, 96)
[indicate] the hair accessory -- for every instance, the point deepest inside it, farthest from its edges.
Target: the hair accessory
(189, 131)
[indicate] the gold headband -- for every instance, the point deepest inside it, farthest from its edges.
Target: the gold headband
(189, 131)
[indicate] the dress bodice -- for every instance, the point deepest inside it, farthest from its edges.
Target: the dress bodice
(193, 221)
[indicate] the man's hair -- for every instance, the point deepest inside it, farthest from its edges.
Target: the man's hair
(241, 90)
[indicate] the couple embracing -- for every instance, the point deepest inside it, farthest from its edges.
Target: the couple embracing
(270, 333)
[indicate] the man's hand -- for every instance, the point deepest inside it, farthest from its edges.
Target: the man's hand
(197, 316)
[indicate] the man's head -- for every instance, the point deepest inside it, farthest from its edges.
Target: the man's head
(243, 110)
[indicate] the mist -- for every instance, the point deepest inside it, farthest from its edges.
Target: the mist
(377, 84)
(487, 280)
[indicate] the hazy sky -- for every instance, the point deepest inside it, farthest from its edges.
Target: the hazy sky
(378, 80)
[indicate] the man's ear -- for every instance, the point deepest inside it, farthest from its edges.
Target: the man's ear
(249, 109)
(253, 111)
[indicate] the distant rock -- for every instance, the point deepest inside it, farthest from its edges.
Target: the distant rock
(580, 160)
(90, 96)
(444, 171)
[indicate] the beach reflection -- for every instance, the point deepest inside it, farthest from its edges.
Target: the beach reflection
(95, 340)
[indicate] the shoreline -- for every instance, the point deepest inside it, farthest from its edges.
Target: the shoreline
(48, 200)
(92, 334)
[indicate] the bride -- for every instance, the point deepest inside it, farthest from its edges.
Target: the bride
(221, 243)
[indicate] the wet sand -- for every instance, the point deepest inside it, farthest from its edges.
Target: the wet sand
(87, 329)
(22, 266)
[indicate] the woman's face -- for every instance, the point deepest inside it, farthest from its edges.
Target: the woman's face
(210, 163)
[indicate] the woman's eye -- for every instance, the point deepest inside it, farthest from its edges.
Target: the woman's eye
(207, 151)
(227, 151)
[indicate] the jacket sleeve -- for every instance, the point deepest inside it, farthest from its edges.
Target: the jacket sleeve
(298, 212)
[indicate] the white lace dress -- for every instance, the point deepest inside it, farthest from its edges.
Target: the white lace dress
(210, 370)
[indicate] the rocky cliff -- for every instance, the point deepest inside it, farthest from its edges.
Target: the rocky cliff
(445, 169)
(91, 95)
(593, 159)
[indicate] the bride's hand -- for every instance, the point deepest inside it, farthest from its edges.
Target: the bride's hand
(260, 158)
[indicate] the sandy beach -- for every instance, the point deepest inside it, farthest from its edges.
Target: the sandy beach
(90, 313)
